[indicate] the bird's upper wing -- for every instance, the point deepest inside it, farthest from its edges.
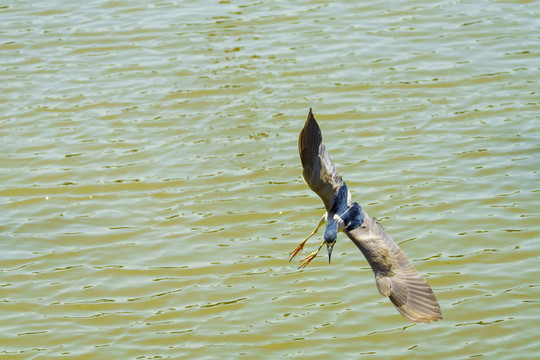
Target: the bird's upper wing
(395, 275)
(319, 173)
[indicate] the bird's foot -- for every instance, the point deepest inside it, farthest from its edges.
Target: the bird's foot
(310, 257)
(296, 250)
(307, 259)
(303, 242)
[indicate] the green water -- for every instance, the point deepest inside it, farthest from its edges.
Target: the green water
(151, 185)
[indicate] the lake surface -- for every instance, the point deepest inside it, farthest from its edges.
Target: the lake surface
(151, 185)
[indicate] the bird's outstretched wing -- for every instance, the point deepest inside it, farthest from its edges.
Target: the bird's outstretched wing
(319, 173)
(395, 275)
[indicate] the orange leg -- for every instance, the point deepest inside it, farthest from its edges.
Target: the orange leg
(303, 242)
(310, 257)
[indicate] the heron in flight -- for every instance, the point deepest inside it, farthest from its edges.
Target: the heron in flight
(395, 275)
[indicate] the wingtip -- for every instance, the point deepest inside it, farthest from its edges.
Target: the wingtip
(310, 118)
(420, 316)
(419, 308)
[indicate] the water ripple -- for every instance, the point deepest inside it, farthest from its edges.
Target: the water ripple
(152, 188)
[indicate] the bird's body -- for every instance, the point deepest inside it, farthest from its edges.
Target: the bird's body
(395, 275)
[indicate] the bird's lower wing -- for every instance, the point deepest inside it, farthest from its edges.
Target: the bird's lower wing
(395, 275)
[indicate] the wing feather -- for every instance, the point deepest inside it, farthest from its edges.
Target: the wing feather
(319, 173)
(395, 275)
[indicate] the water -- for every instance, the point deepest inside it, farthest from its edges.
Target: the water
(151, 187)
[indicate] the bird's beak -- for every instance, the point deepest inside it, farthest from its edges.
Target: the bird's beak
(330, 247)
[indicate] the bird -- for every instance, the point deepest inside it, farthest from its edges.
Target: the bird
(395, 275)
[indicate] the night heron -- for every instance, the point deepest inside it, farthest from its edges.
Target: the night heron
(395, 275)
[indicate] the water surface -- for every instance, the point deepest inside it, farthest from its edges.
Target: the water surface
(151, 186)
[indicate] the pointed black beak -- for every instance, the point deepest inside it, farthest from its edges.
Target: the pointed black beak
(330, 247)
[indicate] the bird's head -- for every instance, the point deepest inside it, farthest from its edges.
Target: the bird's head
(330, 237)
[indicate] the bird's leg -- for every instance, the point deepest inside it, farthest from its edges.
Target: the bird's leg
(302, 243)
(311, 256)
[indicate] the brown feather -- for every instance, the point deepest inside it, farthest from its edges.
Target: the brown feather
(395, 275)
(319, 173)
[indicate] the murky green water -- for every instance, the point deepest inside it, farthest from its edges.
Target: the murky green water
(151, 190)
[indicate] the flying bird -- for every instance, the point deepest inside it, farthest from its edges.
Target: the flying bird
(395, 275)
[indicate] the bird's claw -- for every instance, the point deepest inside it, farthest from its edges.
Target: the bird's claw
(296, 251)
(307, 260)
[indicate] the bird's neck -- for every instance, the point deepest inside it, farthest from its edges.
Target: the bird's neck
(353, 217)
(349, 220)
